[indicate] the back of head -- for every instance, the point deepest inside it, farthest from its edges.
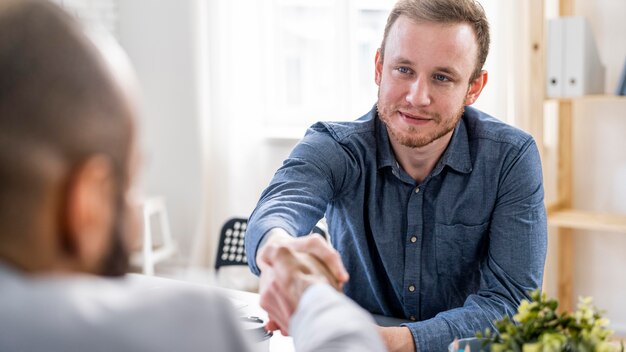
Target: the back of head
(58, 105)
(447, 12)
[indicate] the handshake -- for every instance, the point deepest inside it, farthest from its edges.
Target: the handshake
(288, 267)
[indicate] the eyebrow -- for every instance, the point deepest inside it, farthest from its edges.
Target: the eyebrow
(403, 61)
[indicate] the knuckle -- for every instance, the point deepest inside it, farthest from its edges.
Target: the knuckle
(265, 252)
(317, 241)
(283, 252)
(330, 255)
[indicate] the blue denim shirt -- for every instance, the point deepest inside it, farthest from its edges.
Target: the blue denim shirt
(453, 253)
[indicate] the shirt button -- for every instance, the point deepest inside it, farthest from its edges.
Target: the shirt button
(411, 288)
(417, 190)
(413, 239)
(412, 317)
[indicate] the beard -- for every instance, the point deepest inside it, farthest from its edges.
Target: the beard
(413, 136)
(116, 261)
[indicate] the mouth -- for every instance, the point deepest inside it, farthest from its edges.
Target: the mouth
(414, 119)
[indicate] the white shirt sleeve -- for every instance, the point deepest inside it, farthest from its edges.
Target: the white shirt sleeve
(326, 320)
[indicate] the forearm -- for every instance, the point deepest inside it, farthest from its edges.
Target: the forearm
(300, 191)
(435, 334)
(498, 296)
(397, 339)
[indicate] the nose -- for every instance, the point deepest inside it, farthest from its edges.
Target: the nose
(419, 93)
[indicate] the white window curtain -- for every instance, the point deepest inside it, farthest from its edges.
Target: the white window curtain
(298, 61)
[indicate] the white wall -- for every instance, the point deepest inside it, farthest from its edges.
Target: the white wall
(100, 13)
(162, 40)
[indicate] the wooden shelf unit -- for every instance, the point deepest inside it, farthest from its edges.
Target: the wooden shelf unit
(561, 215)
(600, 98)
(586, 220)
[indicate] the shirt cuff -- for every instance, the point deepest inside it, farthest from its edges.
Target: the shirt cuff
(430, 335)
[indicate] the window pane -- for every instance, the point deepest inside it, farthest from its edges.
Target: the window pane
(305, 60)
(370, 24)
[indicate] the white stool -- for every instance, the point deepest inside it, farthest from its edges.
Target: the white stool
(154, 249)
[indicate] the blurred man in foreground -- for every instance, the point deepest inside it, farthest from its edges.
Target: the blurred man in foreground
(67, 165)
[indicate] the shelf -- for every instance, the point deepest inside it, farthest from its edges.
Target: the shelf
(591, 98)
(586, 220)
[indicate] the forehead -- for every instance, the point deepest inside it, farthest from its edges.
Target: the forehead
(432, 44)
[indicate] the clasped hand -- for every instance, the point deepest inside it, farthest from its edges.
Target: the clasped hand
(289, 266)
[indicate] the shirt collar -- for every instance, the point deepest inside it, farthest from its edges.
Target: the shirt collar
(457, 154)
(384, 153)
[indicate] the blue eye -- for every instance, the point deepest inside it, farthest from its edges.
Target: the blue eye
(404, 70)
(440, 78)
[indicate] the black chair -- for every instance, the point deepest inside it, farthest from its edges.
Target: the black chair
(231, 249)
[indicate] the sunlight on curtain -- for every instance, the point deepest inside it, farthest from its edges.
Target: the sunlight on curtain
(322, 59)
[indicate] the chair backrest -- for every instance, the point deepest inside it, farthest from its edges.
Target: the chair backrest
(158, 244)
(231, 249)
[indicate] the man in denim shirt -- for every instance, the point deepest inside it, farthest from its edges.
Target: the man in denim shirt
(435, 208)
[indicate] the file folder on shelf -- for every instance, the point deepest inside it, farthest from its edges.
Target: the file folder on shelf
(554, 58)
(621, 83)
(573, 66)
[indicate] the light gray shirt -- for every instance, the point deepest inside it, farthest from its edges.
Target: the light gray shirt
(84, 313)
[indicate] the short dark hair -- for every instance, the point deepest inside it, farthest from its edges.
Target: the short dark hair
(58, 105)
(445, 11)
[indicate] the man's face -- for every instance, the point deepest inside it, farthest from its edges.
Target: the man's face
(423, 79)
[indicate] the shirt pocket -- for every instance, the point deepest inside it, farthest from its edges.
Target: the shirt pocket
(459, 248)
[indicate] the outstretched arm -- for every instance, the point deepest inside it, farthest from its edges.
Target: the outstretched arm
(315, 173)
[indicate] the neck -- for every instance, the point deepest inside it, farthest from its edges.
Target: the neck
(419, 162)
(33, 255)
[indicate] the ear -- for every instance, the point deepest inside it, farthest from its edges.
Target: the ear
(475, 87)
(89, 213)
(378, 67)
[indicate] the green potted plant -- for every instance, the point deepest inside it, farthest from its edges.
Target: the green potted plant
(538, 327)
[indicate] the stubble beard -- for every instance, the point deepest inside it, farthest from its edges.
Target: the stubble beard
(116, 262)
(412, 137)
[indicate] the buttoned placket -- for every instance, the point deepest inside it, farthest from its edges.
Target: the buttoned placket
(412, 252)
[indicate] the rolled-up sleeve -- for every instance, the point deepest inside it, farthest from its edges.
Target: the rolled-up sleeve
(301, 189)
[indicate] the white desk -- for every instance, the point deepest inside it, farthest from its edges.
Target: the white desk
(245, 302)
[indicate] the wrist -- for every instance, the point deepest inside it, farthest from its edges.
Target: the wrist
(397, 338)
(275, 235)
